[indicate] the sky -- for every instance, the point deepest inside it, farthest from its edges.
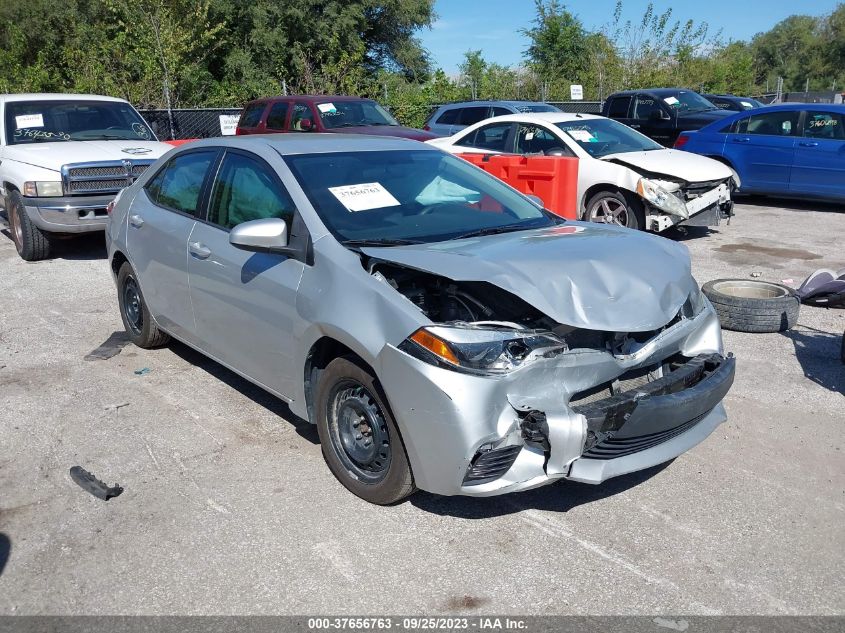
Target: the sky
(493, 25)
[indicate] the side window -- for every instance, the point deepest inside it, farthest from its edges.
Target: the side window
(251, 116)
(533, 139)
(824, 125)
(733, 127)
(301, 112)
(490, 137)
(277, 116)
(497, 111)
(245, 189)
(619, 107)
(772, 123)
(178, 185)
(473, 115)
(449, 117)
(645, 107)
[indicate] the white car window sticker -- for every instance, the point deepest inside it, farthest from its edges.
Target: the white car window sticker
(29, 120)
(364, 197)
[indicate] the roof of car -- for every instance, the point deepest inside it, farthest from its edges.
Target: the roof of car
(655, 91)
(484, 102)
(543, 117)
(309, 98)
(312, 143)
(56, 96)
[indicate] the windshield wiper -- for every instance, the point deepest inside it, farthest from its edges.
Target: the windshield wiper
(493, 230)
(381, 241)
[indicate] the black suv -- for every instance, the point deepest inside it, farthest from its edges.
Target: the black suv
(662, 113)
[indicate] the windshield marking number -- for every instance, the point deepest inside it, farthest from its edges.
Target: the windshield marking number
(364, 197)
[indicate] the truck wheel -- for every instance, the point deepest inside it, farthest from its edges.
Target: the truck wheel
(137, 321)
(744, 305)
(615, 207)
(31, 242)
(359, 438)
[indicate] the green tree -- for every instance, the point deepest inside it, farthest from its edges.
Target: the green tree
(559, 45)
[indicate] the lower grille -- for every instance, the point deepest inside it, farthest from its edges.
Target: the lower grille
(613, 448)
(491, 465)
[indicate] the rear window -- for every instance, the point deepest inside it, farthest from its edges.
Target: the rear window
(251, 116)
(537, 107)
(618, 107)
(449, 117)
(473, 115)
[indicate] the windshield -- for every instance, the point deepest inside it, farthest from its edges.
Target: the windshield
(600, 137)
(536, 107)
(686, 102)
(353, 113)
(52, 121)
(410, 196)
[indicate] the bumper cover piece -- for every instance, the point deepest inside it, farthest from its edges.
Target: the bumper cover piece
(74, 214)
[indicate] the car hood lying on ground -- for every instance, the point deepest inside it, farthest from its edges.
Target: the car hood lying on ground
(579, 274)
(671, 162)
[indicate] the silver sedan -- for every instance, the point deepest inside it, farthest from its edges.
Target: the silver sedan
(442, 330)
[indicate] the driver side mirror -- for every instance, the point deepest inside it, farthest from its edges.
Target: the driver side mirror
(659, 115)
(267, 235)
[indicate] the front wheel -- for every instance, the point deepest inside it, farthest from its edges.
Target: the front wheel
(31, 242)
(358, 435)
(615, 207)
(137, 321)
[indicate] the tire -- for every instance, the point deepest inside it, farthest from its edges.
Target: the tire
(615, 207)
(753, 306)
(31, 242)
(348, 395)
(134, 313)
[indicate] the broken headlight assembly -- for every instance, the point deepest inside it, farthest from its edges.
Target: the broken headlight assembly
(481, 350)
(659, 196)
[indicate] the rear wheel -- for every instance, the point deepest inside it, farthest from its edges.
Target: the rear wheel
(615, 207)
(137, 321)
(31, 242)
(359, 437)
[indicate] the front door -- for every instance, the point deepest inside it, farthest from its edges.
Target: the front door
(761, 147)
(245, 302)
(160, 223)
(819, 166)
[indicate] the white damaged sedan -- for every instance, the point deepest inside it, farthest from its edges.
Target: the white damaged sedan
(624, 177)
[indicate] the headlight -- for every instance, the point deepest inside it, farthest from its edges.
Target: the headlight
(481, 350)
(660, 198)
(42, 189)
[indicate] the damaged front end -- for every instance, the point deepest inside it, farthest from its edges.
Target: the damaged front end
(494, 396)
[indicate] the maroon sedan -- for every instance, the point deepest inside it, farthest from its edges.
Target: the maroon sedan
(322, 113)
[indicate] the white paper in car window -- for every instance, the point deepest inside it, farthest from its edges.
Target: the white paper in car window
(326, 107)
(363, 197)
(29, 120)
(581, 135)
(747, 104)
(671, 100)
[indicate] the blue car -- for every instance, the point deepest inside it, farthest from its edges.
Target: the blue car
(794, 149)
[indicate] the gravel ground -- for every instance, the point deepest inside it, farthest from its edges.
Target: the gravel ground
(229, 508)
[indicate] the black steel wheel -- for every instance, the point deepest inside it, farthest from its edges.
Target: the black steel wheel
(359, 437)
(134, 313)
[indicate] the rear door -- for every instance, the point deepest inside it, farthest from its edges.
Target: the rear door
(495, 138)
(277, 117)
(761, 148)
(161, 220)
(250, 121)
(470, 115)
(819, 166)
(245, 302)
(647, 118)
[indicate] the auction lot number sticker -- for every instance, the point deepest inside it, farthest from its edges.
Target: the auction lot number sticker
(370, 195)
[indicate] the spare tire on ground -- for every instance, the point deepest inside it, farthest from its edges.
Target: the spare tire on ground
(744, 305)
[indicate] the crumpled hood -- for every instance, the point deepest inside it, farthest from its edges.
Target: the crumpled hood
(673, 162)
(584, 275)
(54, 155)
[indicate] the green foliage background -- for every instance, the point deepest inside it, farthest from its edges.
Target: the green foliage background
(221, 53)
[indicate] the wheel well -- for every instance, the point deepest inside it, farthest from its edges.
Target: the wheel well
(322, 352)
(117, 260)
(594, 190)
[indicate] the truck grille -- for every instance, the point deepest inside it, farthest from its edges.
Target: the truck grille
(102, 178)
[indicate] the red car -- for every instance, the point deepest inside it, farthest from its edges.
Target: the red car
(322, 113)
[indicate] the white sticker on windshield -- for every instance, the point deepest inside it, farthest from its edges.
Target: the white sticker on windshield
(671, 100)
(581, 135)
(529, 136)
(363, 197)
(326, 107)
(747, 104)
(29, 120)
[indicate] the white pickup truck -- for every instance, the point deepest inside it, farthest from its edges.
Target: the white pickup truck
(63, 158)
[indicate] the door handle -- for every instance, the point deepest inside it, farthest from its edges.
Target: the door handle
(808, 144)
(744, 139)
(199, 250)
(136, 220)
(635, 125)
